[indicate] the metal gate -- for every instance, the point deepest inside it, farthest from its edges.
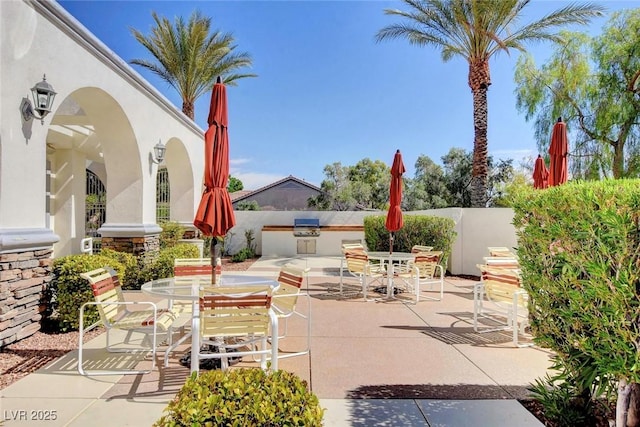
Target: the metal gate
(95, 205)
(163, 196)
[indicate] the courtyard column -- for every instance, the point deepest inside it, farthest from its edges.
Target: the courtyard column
(68, 171)
(25, 239)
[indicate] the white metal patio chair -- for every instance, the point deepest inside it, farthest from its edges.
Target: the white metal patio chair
(285, 304)
(501, 251)
(240, 320)
(117, 313)
(499, 295)
(422, 274)
(502, 262)
(420, 248)
(357, 264)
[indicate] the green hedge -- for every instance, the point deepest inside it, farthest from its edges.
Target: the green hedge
(68, 291)
(132, 276)
(579, 248)
(417, 230)
(243, 397)
(162, 266)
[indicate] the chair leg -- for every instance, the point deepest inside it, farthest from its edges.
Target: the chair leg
(173, 346)
(98, 372)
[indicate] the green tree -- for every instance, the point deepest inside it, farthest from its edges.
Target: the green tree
(428, 188)
(363, 186)
(458, 168)
(592, 84)
(372, 177)
(458, 177)
(338, 192)
(476, 30)
(234, 184)
(189, 58)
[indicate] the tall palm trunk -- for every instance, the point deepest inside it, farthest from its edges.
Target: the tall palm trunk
(187, 108)
(479, 81)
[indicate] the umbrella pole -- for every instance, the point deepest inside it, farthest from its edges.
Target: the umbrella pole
(390, 243)
(212, 253)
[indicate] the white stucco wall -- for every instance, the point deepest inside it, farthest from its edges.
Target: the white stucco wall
(476, 230)
(126, 115)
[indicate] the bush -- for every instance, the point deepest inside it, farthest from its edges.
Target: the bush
(417, 230)
(171, 233)
(68, 291)
(243, 255)
(132, 278)
(162, 266)
(243, 397)
(578, 249)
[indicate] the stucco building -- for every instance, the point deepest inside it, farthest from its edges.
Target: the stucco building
(105, 121)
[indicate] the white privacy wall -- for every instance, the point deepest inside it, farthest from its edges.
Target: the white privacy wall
(476, 230)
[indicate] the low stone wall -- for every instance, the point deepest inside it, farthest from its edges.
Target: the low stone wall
(23, 277)
(137, 246)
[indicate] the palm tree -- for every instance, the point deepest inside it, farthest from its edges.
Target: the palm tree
(189, 58)
(476, 30)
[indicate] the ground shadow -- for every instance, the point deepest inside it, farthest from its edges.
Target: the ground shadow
(462, 335)
(32, 360)
(438, 391)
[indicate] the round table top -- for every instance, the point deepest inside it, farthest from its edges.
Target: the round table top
(394, 256)
(188, 287)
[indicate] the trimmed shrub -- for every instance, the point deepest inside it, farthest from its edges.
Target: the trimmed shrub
(68, 291)
(417, 230)
(171, 233)
(132, 278)
(579, 250)
(162, 266)
(243, 397)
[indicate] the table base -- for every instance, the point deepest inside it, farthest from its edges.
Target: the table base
(208, 364)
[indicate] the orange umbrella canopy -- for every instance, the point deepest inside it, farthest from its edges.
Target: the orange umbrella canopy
(558, 151)
(394, 216)
(215, 213)
(540, 174)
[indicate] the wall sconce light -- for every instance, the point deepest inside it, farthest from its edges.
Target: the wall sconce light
(158, 153)
(43, 95)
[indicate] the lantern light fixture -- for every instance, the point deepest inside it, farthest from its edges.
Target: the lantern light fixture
(159, 149)
(43, 96)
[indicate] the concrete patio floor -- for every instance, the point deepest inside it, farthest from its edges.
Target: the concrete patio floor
(372, 363)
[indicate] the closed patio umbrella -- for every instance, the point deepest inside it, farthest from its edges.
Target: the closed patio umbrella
(215, 213)
(558, 151)
(540, 174)
(394, 216)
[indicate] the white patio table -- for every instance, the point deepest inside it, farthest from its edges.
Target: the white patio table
(388, 259)
(189, 288)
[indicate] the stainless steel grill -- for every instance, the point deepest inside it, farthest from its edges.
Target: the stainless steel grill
(304, 227)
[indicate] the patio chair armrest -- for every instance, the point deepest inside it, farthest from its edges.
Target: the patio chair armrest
(153, 306)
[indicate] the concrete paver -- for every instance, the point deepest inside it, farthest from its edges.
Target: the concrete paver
(372, 363)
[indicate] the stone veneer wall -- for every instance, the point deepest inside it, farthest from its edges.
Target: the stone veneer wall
(23, 278)
(138, 246)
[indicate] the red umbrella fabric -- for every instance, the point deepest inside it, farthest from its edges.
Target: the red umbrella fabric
(540, 174)
(394, 216)
(215, 213)
(558, 154)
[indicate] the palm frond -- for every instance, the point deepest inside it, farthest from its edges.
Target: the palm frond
(189, 56)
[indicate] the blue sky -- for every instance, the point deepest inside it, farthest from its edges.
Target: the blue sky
(326, 91)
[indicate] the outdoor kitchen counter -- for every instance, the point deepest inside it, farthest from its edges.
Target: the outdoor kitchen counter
(322, 228)
(281, 240)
